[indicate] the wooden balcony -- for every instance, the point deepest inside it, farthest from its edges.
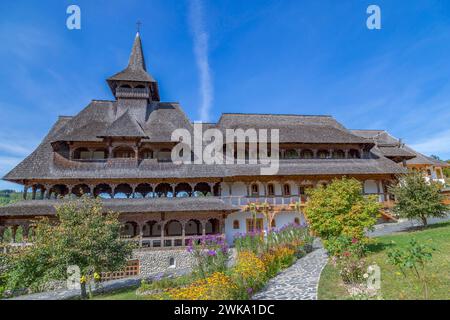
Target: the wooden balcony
(167, 242)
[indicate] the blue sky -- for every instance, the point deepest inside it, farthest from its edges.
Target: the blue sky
(303, 57)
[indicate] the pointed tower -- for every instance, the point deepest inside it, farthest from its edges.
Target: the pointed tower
(134, 82)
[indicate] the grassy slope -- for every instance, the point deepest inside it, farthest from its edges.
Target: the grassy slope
(395, 286)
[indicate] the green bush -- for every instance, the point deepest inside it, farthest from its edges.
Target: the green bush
(341, 209)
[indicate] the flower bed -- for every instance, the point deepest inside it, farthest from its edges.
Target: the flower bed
(260, 257)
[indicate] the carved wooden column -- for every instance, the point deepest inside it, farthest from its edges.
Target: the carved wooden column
(13, 233)
(2, 232)
(141, 233)
(183, 232)
(192, 185)
(25, 192)
(33, 192)
(163, 224)
(47, 191)
(211, 186)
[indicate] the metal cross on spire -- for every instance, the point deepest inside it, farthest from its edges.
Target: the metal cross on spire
(138, 26)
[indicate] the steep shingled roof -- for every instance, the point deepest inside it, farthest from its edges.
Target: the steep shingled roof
(125, 126)
(294, 128)
(136, 69)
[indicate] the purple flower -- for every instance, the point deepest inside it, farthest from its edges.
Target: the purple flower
(249, 290)
(212, 253)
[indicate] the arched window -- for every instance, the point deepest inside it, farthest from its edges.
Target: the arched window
(123, 191)
(81, 154)
(354, 154)
(123, 152)
(173, 228)
(338, 154)
(236, 224)
(306, 154)
(103, 191)
(99, 154)
(270, 189)
(286, 189)
(291, 154)
(322, 154)
(193, 227)
(255, 190)
(212, 226)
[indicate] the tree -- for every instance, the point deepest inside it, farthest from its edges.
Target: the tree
(340, 209)
(418, 199)
(447, 170)
(83, 235)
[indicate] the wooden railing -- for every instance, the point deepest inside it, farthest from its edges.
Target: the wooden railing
(166, 241)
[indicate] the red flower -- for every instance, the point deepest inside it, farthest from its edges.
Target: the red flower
(347, 254)
(354, 240)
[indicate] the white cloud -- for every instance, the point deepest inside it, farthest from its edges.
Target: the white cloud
(14, 148)
(201, 55)
(438, 144)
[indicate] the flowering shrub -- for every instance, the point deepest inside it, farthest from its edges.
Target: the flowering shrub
(249, 274)
(211, 254)
(218, 286)
(348, 256)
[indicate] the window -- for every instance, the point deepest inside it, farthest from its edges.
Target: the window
(273, 224)
(172, 263)
(165, 155)
(353, 154)
(147, 154)
(123, 153)
(302, 190)
(255, 225)
(255, 189)
(322, 154)
(270, 190)
(338, 154)
(99, 155)
(236, 224)
(291, 154)
(306, 154)
(85, 155)
(287, 190)
(297, 221)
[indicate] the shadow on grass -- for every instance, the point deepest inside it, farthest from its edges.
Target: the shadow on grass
(379, 246)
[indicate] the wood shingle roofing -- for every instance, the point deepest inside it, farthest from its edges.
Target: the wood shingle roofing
(125, 126)
(197, 204)
(136, 69)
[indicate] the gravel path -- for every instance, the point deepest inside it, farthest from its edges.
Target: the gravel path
(298, 282)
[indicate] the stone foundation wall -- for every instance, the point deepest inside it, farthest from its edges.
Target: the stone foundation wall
(163, 261)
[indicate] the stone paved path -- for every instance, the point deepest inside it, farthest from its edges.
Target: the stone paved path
(298, 282)
(390, 228)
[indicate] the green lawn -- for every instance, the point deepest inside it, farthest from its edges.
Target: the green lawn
(129, 294)
(394, 285)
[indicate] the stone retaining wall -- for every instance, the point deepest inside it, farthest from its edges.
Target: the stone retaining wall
(163, 261)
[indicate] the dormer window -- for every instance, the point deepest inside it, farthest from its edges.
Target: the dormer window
(322, 154)
(306, 154)
(146, 154)
(123, 152)
(354, 154)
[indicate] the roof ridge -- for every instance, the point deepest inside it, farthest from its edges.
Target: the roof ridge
(277, 114)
